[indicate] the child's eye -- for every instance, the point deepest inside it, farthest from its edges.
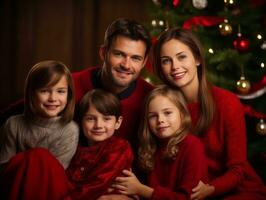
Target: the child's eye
(107, 118)
(168, 112)
(151, 116)
(43, 90)
(62, 91)
(89, 118)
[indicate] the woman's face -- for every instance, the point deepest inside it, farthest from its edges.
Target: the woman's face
(179, 65)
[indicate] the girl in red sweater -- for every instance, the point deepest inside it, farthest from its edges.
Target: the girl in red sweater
(217, 117)
(175, 160)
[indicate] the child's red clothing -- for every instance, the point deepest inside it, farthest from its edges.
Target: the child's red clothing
(175, 179)
(93, 168)
(33, 174)
(225, 147)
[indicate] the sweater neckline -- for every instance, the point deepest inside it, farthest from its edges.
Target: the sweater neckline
(47, 122)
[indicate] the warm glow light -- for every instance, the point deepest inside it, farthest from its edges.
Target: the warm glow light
(211, 51)
(262, 65)
(148, 79)
(153, 23)
(259, 36)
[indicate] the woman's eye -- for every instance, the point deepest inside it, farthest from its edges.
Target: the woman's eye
(165, 61)
(182, 57)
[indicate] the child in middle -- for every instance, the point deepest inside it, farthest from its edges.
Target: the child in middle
(174, 159)
(100, 156)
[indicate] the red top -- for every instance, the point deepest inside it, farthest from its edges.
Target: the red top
(93, 168)
(174, 179)
(225, 147)
(131, 99)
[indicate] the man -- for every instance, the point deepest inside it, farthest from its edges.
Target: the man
(124, 54)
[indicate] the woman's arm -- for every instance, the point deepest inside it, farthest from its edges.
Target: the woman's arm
(233, 131)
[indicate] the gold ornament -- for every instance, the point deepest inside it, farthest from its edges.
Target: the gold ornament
(261, 128)
(229, 3)
(225, 28)
(243, 85)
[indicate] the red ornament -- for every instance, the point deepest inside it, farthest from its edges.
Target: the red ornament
(175, 3)
(241, 44)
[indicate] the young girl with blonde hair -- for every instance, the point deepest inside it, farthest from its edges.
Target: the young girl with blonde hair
(173, 158)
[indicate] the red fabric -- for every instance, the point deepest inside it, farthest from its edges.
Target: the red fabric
(251, 112)
(131, 106)
(174, 179)
(92, 169)
(33, 174)
(202, 21)
(225, 146)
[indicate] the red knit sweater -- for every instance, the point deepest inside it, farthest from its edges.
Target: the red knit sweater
(131, 100)
(174, 179)
(225, 147)
(94, 168)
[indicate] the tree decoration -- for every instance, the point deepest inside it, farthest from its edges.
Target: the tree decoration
(225, 28)
(229, 3)
(175, 3)
(200, 4)
(243, 85)
(263, 46)
(158, 23)
(240, 43)
(157, 2)
(261, 127)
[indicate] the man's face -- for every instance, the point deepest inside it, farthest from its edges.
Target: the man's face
(123, 62)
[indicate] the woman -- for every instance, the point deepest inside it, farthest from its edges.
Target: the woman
(217, 117)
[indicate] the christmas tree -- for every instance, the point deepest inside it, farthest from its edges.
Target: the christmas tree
(233, 34)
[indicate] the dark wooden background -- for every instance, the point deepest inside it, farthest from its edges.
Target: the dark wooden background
(67, 30)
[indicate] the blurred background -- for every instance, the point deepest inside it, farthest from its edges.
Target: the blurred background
(233, 33)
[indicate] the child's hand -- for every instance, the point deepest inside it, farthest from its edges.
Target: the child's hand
(115, 197)
(201, 191)
(128, 185)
